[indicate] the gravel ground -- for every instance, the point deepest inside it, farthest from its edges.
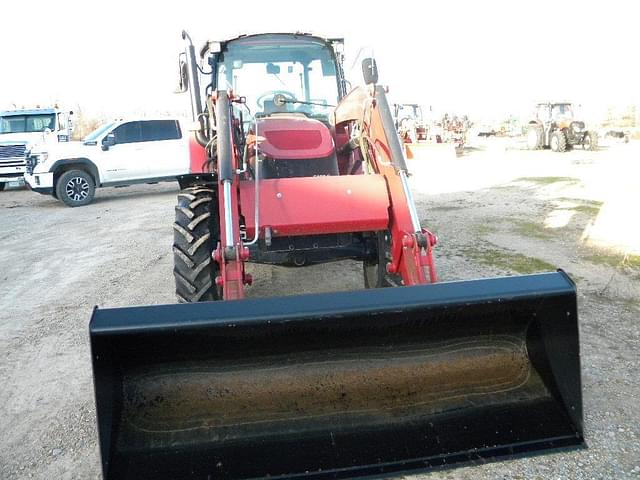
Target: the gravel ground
(496, 210)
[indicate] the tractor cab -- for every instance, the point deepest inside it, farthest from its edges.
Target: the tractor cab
(287, 88)
(279, 73)
(561, 111)
(554, 112)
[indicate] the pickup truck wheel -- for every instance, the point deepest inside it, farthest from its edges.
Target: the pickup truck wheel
(2, 185)
(75, 188)
(196, 233)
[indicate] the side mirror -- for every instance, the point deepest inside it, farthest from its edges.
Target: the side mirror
(108, 141)
(183, 80)
(370, 71)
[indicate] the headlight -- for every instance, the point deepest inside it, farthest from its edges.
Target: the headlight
(35, 158)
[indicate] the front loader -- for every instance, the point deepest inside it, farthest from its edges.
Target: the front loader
(289, 169)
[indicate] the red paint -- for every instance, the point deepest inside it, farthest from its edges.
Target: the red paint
(317, 205)
(197, 156)
(291, 138)
(411, 260)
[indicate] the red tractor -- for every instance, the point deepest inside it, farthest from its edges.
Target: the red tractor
(288, 168)
(273, 142)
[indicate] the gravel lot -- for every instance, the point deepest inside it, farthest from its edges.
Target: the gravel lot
(497, 210)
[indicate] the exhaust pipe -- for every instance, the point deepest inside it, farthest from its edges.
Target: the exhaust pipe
(339, 385)
(194, 90)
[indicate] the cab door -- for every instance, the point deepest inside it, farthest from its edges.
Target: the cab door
(167, 148)
(127, 158)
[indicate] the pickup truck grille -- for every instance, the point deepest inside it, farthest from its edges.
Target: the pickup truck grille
(12, 155)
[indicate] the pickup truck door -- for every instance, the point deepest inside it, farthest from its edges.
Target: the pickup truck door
(129, 158)
(168, 150)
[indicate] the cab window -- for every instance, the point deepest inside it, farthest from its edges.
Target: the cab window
(128, 133)
(156, 130)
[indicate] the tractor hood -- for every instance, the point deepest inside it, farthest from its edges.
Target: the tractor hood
(291, 137)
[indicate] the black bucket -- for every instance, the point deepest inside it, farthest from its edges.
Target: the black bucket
(339, 385)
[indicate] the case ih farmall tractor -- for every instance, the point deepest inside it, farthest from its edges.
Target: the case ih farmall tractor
(290, 169)
(410, 122)
(554, 126)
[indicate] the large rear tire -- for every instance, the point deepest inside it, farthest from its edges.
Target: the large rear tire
(2, 185)
(196, 235)
(534, 137)
(558, 141)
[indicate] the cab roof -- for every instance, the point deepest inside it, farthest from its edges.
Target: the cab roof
(33, 111)
(257, 37)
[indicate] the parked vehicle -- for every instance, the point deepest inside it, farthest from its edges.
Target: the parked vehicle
(556, 127)
(617, 134)
(334, 385)
(409, 122)
(19, 128)
(116, 154)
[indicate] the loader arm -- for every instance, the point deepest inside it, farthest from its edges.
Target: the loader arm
(230, 253)
(411, 245)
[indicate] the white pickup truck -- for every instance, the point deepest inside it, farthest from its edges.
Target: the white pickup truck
(119, 153)
(19, 128)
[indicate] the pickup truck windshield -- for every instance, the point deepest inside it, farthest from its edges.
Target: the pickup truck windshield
(304, 73)
(93, 136)
(27, 123)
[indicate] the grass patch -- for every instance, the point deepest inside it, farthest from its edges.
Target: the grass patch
(588, 207)
(581, 201)
(615, 260)
(531, 229)
(547, 180)
(484, 229)
(590, 210)
(507, 260)
(507, 188)
(446, 208)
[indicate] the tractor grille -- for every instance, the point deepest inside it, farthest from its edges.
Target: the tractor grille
(12, 155)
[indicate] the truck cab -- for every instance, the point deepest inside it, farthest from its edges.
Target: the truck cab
(21, 128)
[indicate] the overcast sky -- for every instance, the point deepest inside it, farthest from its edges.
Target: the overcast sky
(120, 57)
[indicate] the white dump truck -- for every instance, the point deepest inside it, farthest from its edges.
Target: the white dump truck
(19, 128)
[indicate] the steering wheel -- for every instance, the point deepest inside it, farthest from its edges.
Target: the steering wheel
(272, 93)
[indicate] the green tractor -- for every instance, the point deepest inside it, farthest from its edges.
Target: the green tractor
(555, 127)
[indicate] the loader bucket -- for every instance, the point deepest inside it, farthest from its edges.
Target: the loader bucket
(339, 385)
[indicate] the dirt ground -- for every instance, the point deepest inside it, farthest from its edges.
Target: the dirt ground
(497, 210)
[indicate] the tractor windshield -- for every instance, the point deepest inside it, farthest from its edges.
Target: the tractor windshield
(561, 111)
(410, 111)
(280, 73)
